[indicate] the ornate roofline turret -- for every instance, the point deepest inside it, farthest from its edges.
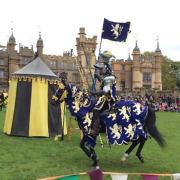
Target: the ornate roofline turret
(136, 53)
(136, 48)
(39, 41)
(129, 57)
(12, 39)
(40, 45)
(82, 31)
(157, 49)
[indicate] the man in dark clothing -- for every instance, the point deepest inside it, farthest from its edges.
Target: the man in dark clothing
(1, 101)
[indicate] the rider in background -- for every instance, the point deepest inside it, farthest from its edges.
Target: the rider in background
(149, 101)
(3, 100)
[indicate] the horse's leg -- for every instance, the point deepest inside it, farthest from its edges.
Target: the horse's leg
(95, 126)
(94, 157)
(129, 150)
(150, 124)
(89, 141)
(141, 145)
(89, 151)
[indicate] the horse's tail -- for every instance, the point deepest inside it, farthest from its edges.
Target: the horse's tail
(150, 124)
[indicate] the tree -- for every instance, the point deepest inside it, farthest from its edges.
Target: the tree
(175, 65)
(168, 76)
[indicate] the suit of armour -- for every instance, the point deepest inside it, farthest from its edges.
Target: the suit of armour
(106, 97)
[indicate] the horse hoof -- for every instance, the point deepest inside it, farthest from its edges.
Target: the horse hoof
(95, 164)
(97, 167)
(124, 157)
(140, 158)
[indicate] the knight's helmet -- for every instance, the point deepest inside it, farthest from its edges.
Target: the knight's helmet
(105, 63)
(107, 56)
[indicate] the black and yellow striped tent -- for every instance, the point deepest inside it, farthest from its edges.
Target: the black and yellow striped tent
(30, 112)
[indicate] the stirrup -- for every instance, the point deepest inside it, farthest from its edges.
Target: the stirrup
(124, 157)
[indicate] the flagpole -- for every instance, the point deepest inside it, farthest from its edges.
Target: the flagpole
(100, 47)
(89, 68)
(64, 116)
(94, 79)
(100, 42)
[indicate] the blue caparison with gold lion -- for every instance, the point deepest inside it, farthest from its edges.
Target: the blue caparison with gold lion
(126, 121)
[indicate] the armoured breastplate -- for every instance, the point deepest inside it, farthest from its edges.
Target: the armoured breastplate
(108, 83)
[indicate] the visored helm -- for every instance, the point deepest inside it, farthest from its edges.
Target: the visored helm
(106, 56)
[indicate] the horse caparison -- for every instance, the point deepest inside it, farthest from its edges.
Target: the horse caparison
(82, 114)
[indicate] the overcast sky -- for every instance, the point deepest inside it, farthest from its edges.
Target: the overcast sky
(59, 22)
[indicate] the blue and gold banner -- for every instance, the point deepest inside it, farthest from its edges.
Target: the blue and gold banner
(115, 31)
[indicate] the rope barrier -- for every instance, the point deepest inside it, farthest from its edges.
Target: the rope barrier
(110, 173)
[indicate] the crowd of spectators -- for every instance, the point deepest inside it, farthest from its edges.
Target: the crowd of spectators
(167, 103)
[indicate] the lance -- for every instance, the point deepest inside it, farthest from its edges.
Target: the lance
(93, 82)
(93, 85)
(81, 72)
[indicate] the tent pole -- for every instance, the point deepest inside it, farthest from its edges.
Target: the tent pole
(62, 137)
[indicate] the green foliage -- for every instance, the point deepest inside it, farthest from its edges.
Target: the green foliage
(176, 71)
(32, 158)
(148, 55)
(168, 76)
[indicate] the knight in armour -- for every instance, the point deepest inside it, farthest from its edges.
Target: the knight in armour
(106, 95)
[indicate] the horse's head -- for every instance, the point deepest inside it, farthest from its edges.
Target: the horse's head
(60, 94)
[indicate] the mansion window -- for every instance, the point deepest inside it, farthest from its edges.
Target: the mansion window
(53, 64)
(147, 86)
(75, 78)
(122, 85)
(122, 67)
(88, 59)
(1, 74)
(64, 66)
(147, 77)
(2, 62)
(25, 61)
(74, 66)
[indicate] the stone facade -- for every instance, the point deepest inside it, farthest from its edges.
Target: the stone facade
(12, 60)
(132, 74)
(139, 74)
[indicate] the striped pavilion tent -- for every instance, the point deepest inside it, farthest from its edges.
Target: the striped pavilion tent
(30, 112)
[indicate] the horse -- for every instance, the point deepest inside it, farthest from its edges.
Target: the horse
(126, 122)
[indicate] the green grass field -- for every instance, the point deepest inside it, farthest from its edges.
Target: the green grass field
(33, 158)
